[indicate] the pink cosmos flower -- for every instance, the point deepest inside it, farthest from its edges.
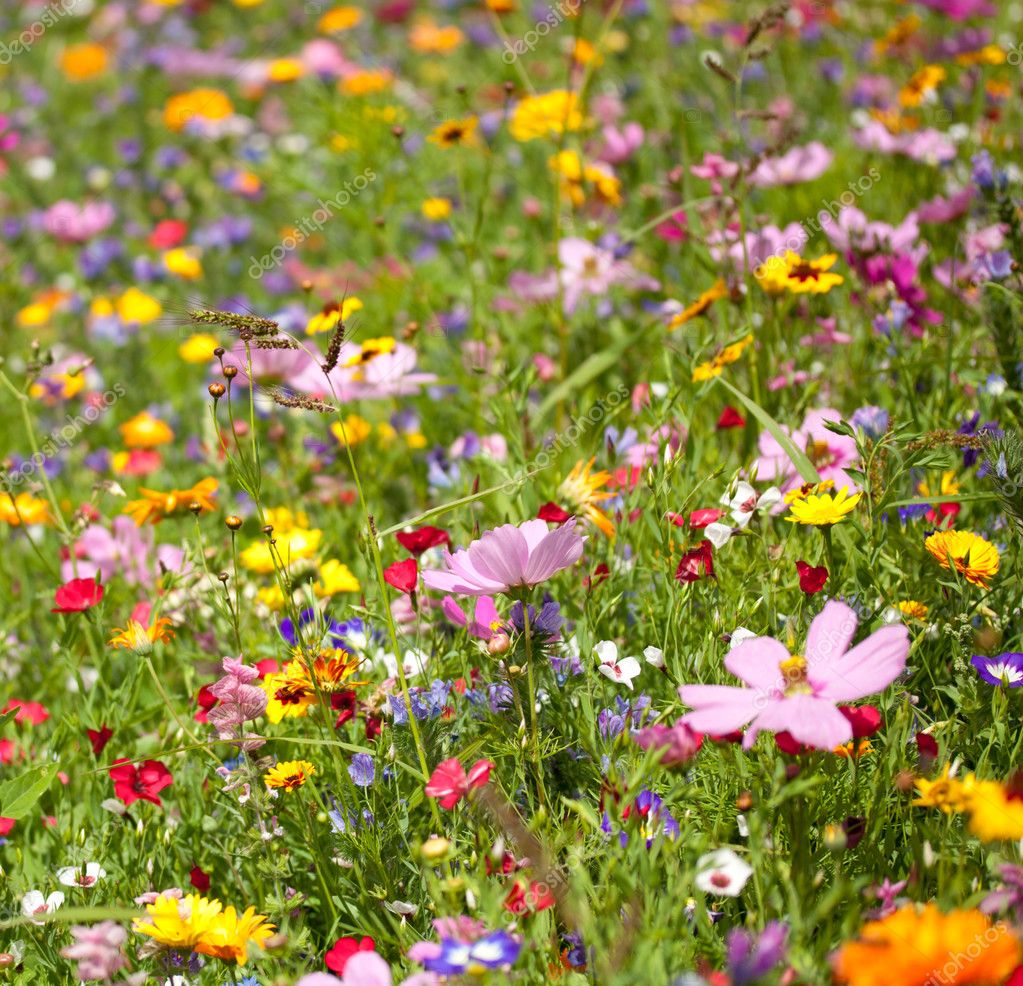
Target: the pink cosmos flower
(619, 145)
(798, 165)
(713, 168)
(759, 246)
(485, 622)
(798, 694)
(589, 269)
(831, 454)
(450, 783)
(507, 558)
(851, 230)
(124, 550)
(74, 223)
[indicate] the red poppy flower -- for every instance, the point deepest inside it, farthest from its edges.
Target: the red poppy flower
(344, 704)
(696, 563)
(553, 514)
(450, 783)
(864, 719)
(99, 738)
(168, 233)
(6, 824)
(344, 948)
(730, 418)
(199, 879)
(811, 577)
(420, 540)
(600, 574)
(403, 575)
(143, 783)
(77, 596)
(31, 712)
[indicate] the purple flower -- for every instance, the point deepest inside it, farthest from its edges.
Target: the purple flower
(873, 421)
(361, 770)
(456, 958)
(1008, 897)
(750, 957)
(508, 557)
(1005, 670)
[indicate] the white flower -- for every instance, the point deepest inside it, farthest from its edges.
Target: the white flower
(654, 656)
(718, 534)
(744, 502)
(722, 873)
(86, 875)
(621, 672)
(738, 636)
(35, 903)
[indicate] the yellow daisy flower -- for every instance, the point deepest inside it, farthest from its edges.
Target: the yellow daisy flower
(823, 509)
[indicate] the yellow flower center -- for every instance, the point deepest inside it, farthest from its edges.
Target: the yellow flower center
(793, 671)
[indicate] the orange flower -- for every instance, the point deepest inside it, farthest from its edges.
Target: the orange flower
(140, 639)
(917, 947)
(975, 559)
(84, 61)
(198, 104)
(154, 506)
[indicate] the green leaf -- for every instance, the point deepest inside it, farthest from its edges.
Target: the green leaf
(19, 795)
(803, 465)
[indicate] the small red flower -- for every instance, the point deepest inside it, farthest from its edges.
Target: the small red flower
(696, 563)
(730, 418)
(864, 719)
(77, 596)
(143, 783)
(6, 824)
(206, 701)
(199, 879)
(926, 746)
(535, 896)
(450, 783)
(344, 948)
(600, 574)
(403, 575)
(168, 233)
(99, 738)
(699, 519)
(811, 577)
(553, 514)
(426, 537)
(30, 712)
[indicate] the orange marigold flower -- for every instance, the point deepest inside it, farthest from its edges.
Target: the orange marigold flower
(975, 559)
(155, 506)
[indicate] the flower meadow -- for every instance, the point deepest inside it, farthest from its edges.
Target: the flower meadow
(506, 491)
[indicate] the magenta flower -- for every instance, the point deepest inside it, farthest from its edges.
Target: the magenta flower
(74, 223)
(678, 743)
(800, 694)
(508, 558)
(831, 454)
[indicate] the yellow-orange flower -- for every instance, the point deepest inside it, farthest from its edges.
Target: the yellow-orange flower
(548, 114)
(84, 61)
(428, 38)
(145, 431)
(339, 19)
(713, 367)
(945, 792)
(292, 691)
(139, 638)
(716, 291)
(996, 809)
(366, 82)
(584, 489)
(154, 505)
(919, 946)
(23, 509)
(290, 775)
(450, 133)
(326, 319)
(229, 933)
(791, 272)
(197, 104)
(975, 559)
